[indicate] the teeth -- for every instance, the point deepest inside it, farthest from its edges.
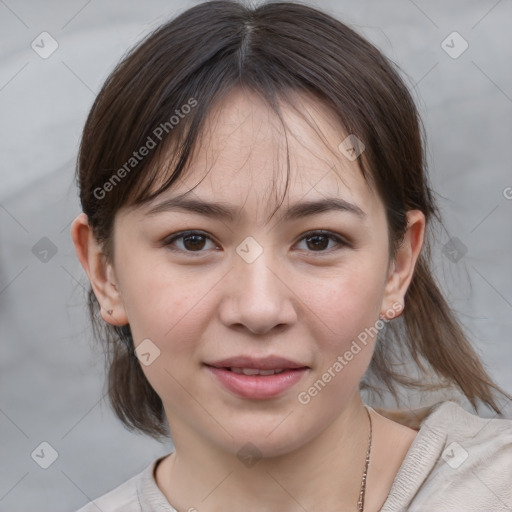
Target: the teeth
(269, 372)
(255, 371)
(250, 371)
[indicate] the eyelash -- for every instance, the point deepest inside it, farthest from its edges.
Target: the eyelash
(169, 240)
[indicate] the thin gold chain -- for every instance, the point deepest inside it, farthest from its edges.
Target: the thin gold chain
(360, 503)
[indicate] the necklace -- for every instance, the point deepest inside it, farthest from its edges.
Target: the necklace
(360, 503)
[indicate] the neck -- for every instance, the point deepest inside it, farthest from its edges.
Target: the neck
(322, 474)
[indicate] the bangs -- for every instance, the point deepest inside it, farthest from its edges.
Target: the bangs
(173, 153)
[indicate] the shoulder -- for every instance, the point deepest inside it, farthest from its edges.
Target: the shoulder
(122, 498)
(470, 437)
(127, 497)
(458, 461)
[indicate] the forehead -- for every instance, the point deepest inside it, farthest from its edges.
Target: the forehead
(246, 151)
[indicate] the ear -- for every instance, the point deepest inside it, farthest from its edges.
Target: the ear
(101, 273)
(402, 267)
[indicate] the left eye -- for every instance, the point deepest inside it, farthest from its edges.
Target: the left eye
(194, 241)
(320, 240)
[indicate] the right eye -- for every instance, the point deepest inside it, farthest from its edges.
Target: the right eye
(190, 241)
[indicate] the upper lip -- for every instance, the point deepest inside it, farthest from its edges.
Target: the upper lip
(263, 363)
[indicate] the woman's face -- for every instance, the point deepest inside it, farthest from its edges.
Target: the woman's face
(251, 287)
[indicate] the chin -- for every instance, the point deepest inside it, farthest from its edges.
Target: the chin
(269, 439)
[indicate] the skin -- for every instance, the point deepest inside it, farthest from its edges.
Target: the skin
(295, 300)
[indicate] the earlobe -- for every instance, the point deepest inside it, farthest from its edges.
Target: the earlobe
(402, 267)
(99, 271)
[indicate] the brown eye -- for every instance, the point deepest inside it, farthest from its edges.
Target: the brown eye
(193, 242)
(190, 242)
(318, 241)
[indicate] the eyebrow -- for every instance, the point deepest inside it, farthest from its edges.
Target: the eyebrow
(229, 213)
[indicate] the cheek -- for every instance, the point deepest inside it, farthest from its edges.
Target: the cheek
(346, 302)
(172, 314)
(148, 301)
(170, 308)
(150, 295)
(345, 330)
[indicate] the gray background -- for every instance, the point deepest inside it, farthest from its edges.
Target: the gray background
(51, 370)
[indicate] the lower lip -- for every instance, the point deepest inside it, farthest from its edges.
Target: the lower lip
(257, 386)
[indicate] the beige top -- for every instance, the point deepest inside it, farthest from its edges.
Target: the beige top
(458, 462)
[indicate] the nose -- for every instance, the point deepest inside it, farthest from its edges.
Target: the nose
(257, 296)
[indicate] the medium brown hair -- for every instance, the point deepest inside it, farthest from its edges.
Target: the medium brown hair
(271, 49)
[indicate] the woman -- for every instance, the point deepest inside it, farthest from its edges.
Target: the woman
(244, 313)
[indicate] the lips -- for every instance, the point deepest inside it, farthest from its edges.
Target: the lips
(257, 378)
